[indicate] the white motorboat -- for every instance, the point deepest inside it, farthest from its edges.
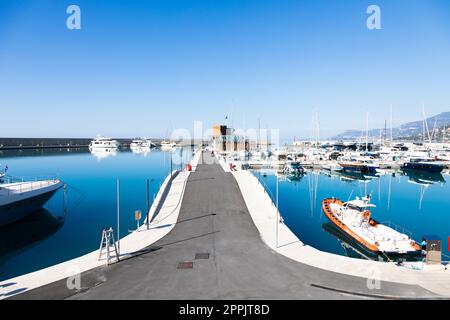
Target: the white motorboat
(20, 199)
(141, 143)
(103, 142)
(168, 145)
(355, 219)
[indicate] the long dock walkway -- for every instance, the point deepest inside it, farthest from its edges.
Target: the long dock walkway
(222, 256)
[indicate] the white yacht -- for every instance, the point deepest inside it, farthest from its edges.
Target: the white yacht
(103, 142)
(20, 199)
(141, 143)
(167, 145)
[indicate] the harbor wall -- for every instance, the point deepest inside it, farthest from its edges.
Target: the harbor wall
(58, 143)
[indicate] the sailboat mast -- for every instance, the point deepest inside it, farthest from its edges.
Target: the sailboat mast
(423, 130)
(318, 128)
(392, 124)
(425, 124)
(367, 131)
(258, 143)
(245, 132)
(443, 134)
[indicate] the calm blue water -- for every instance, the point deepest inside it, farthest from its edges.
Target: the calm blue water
(418, 203)
(47, 238)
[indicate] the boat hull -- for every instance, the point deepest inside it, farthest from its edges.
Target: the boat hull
(21, 208)
(357, 168)
(423, 167)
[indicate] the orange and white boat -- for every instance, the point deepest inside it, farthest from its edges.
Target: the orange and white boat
(355, 219)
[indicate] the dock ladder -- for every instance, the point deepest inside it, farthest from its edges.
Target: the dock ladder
(106, 243)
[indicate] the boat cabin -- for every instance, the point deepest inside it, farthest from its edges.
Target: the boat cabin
(359, 204)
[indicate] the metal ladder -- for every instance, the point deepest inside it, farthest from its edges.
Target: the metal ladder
(106, 243)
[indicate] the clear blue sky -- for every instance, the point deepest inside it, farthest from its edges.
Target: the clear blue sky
(142, 67)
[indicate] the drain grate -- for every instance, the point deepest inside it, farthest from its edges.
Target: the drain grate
(185, 265)
(202, 255)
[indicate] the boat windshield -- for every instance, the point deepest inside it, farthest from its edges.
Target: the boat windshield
(359, 205)
(354, 207)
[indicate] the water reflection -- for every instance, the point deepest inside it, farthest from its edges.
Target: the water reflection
(103, 153)
(41, 152)
(140, 150)
(26, 233)
(356, 176)
(424, 178)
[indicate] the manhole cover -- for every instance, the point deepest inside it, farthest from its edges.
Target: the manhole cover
(185, 265)
(202, 255)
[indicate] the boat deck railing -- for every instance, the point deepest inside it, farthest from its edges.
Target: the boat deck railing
(13, 185)
(397, 228)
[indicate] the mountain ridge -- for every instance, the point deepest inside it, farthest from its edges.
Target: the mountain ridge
(406, 130)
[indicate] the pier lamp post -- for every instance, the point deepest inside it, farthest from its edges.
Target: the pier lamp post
(171, 153)
(181, 159)
(118, 215)
(148, 202)
(276, 204)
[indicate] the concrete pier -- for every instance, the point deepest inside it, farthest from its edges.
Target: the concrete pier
(215, 251)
